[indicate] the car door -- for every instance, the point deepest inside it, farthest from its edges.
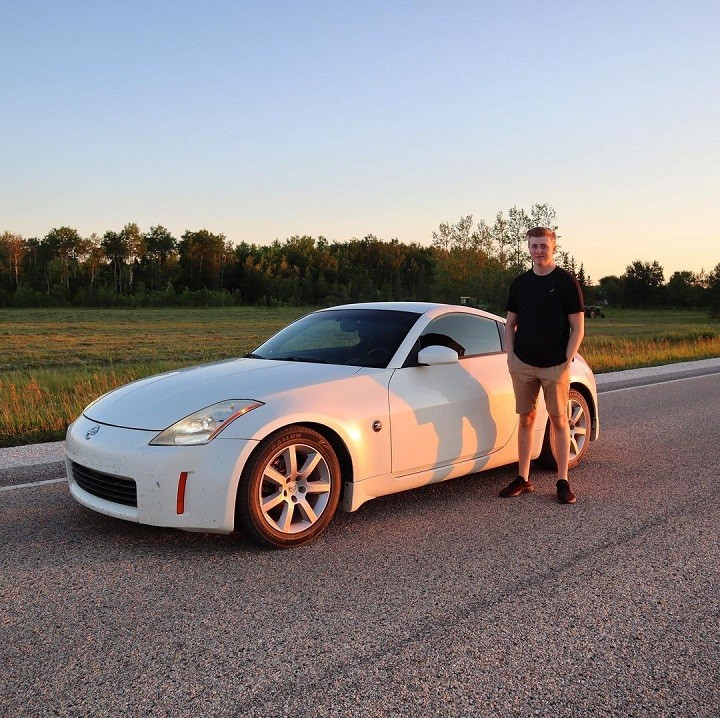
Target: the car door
(444, 414)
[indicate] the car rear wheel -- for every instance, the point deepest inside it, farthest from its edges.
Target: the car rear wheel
(290, 490)
(580, 421)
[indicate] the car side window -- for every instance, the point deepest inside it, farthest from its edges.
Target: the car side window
(468, 334)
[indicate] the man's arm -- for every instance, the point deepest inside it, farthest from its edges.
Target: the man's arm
(577, 332)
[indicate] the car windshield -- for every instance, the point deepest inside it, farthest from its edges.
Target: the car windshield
(357, 337)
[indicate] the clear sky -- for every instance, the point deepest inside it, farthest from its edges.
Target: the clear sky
(262, 119)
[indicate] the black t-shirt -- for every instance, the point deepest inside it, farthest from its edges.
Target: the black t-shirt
(542, 305)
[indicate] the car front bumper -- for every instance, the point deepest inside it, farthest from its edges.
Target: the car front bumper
(187, 487)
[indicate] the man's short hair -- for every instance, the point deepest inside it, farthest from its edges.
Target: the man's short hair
(542, 232)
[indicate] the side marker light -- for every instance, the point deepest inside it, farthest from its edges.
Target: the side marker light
(182, 481)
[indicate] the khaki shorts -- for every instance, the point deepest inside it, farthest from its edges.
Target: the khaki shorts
(528, 380)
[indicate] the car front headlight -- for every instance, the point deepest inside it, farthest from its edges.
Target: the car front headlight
(204, 425)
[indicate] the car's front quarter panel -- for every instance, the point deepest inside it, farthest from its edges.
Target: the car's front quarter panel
(349, 407)
(208, 492)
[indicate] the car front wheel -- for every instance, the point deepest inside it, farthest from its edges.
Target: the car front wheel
(290, 489)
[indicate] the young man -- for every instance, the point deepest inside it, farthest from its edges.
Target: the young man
(545, 325)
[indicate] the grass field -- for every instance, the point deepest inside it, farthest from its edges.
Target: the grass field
(54, 362)
(628, 339)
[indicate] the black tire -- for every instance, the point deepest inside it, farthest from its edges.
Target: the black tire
(580, 425)
(593, 313)
(290, 488)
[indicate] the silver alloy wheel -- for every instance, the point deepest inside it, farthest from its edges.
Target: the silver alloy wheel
(295, 487)
(579, 425)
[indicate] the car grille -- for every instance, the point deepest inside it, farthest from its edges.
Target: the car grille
(105, 486)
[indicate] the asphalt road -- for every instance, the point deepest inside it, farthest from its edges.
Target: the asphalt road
(445, 601)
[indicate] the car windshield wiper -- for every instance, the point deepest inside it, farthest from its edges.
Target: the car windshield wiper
(250, 355)
(310, 360)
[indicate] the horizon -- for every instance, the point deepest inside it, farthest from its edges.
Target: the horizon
(264, 121)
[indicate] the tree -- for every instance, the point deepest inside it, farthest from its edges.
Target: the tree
(543, 215)
(567, 262)
(482, 260)
(517, 227)
(582, 278)
(713, 288)
(465, 260)
(66, 247)
(12, 250)
(455, 236)
(116, 252)
(202, 256)
(95, 259)
(134, 243)
(685, 289)
(125, 250)
(611, 290)
(161, 256)
(503, 241)
(643, 284)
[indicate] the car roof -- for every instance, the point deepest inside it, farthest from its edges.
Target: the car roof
(416, 307)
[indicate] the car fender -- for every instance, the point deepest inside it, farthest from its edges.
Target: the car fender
(356, 409)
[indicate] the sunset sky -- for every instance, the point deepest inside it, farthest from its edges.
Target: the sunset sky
(264, 119)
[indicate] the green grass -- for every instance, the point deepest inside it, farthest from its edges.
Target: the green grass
(87, 338)
(629, 339)
(54, 362)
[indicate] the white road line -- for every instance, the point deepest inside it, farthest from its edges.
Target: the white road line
(31, 484)
(656, 383)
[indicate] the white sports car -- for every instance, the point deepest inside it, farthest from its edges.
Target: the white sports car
(342, 406)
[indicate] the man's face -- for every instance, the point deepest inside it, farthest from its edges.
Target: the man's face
(541, 250)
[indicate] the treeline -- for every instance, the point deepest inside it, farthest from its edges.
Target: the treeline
(643, 285)
(129, 267)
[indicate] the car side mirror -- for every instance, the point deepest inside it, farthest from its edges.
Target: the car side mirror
(435, 354)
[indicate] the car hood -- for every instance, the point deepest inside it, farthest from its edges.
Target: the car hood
(159, 401)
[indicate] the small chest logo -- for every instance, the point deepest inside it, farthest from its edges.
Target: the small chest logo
(92, 432)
